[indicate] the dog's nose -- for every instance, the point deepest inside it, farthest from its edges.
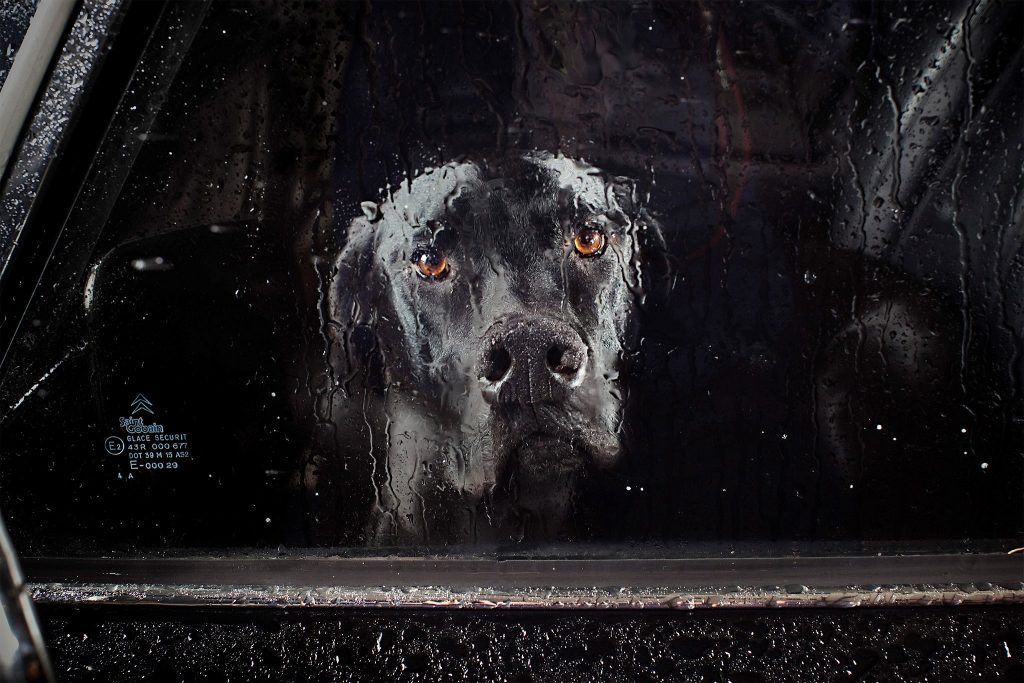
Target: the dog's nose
(531, 360)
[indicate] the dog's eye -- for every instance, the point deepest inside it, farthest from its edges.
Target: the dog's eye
(431, 262)
(589, 242)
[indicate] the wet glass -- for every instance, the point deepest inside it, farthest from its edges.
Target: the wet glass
(601, 278)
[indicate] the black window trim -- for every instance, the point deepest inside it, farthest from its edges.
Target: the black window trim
(857, 580)
(911, 580)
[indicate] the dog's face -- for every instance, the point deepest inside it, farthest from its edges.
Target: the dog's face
(503, 299)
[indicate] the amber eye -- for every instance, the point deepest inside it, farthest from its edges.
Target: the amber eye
(589, 242)
(431, 263)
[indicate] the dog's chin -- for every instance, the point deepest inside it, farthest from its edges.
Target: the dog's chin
(538, 487)
(552, 439)
(543, 456)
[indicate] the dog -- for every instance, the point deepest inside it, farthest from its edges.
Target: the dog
(482, 321)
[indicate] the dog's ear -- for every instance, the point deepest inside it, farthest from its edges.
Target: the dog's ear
(352, 298)
(651, 269)
(341, 452)
(655, 268)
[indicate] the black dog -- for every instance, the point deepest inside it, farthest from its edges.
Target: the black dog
(483, 318)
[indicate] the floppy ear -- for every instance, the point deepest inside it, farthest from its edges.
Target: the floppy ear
(341, 450)
(352, 299)
(651, 271)
(655, 268)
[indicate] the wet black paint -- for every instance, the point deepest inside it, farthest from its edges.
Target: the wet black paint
(895, 645)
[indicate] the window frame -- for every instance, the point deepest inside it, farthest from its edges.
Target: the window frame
(59, 160)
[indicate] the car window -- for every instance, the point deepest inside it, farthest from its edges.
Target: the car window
(654, 279)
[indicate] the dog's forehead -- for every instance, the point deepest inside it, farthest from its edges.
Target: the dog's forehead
(585, 182)
(431, 193)
(435, 192)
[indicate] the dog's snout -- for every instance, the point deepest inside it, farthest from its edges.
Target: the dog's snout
(566, 361)
(531, 360)
(497, 362)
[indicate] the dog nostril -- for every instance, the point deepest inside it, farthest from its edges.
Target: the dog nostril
(563, 361)
(497, 365)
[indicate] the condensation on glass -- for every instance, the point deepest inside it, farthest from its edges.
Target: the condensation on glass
(595, 278)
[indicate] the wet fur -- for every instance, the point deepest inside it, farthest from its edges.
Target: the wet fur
(415, 454)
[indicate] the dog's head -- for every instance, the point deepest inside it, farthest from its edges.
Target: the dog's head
(502, 299)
